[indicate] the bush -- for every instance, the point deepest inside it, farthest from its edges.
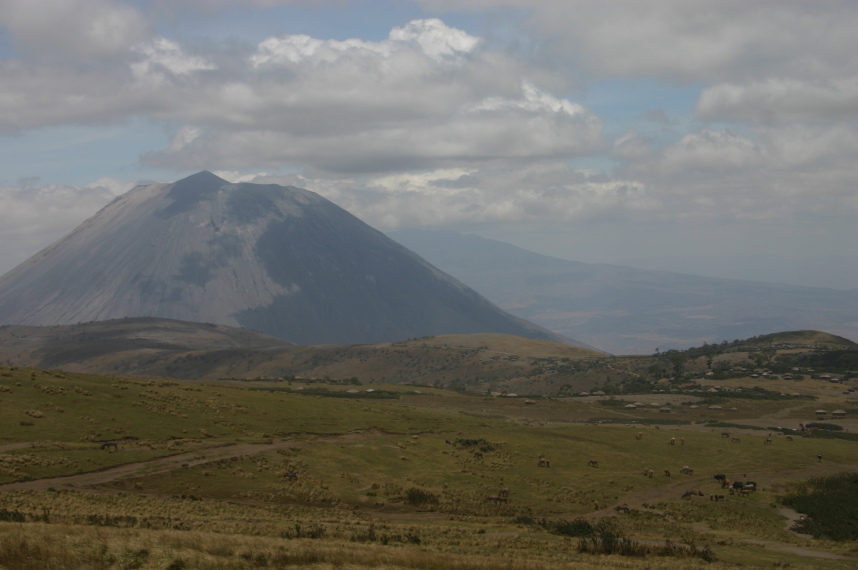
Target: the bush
(829, 506)
(415, 496)
(826, 427)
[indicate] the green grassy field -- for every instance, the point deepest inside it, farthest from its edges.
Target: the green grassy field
(228, 475)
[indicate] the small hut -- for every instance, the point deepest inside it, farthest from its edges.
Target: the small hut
(839, 413)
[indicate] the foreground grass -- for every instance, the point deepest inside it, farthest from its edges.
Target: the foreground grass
(266, 480)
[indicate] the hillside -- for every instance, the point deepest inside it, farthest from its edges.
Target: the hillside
(623, 310)
(167, 348)
(110, 472)
(477, 363)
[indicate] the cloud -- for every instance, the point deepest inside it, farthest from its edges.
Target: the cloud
(631, 145)
(781, 100)
(162, 55)
(33, 215)
(541, 192)
(711, 151)
(724, 40)
(72, 30)
(426, 97)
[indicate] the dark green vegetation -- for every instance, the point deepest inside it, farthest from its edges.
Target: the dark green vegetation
(830, 504)
(157, 473)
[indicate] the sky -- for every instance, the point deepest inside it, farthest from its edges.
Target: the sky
(713, 137)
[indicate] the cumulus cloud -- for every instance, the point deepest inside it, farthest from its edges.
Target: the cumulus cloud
(426, 96)
(436, 125)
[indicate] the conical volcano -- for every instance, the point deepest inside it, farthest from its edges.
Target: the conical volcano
(279, 260)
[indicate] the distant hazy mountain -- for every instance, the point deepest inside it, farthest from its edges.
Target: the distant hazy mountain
(624, 310)
(279, 260)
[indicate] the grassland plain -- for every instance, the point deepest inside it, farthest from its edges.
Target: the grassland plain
(226, 475)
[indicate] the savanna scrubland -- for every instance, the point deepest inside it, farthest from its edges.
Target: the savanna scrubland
(128, 472)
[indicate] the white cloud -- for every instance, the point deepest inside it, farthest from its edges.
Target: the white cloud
(435, 39)
(411, 101)
(162, 54)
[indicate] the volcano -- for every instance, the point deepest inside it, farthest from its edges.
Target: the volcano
(275, 259)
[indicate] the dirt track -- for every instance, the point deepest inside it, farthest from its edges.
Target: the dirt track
(154, 466)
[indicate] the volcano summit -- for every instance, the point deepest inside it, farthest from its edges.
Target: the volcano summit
(279, 260)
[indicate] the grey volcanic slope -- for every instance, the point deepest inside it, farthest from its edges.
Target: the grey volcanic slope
(630, 311)
(279, 260)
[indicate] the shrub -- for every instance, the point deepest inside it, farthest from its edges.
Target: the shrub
(829, 506)
(415, 496)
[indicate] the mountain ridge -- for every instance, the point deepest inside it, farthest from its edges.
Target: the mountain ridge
(280, 260)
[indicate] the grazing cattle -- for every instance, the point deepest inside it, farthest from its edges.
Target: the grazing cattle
(592, 463)
(110, 445)
(767, 441)
(543, 462)
(687, 470)
(478, 455)
(752, 485)
(735, 440)
(672, 441)
(789, 438)
(624, 508)
(720, 477)
(725, 434)
(503, 492)
(291, 475)
(716, 497)
(596, 505)
(639, 435)
(648, 472)
(667, 473)
(738, 485)
(681, 441)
